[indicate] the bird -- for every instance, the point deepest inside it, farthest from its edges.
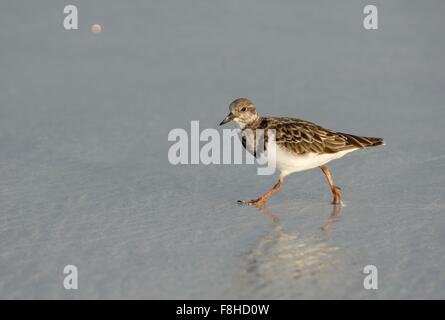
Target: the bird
(299, 145)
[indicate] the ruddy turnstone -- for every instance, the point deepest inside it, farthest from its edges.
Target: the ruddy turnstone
(300, 145)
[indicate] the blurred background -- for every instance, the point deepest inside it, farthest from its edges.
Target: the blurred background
(84, 174)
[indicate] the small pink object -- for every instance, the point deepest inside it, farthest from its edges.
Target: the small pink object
(96, 28)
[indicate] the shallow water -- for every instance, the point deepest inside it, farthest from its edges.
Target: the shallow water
(84, 175)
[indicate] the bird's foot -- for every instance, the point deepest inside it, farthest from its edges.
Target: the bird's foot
(337, 196)
(260, 202)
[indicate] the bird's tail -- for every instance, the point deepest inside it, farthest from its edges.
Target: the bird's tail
(362, 142)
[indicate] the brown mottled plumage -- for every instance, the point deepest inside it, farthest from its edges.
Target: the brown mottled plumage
(303, 144)
(300, 137)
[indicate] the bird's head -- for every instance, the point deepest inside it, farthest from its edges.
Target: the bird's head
(242, 111)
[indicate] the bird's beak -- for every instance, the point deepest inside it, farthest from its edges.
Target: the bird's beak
(229, 118)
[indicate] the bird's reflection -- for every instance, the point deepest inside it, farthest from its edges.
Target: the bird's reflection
(327, 227)
(280, 255)
(333, 218)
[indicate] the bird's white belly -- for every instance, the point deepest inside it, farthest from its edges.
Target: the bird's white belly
(288, 162)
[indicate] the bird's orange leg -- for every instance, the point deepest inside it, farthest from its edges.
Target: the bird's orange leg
(262, 200)
(335, 189)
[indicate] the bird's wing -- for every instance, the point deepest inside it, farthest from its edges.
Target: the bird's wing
(302, 137)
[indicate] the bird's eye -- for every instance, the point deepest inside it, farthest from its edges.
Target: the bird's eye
(243, 109)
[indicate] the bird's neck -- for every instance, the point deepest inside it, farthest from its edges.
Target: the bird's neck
(253, 124)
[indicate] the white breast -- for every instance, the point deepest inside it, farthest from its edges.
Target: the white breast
(288, 162)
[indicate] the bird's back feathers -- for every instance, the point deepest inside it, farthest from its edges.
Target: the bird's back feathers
(302, 137)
